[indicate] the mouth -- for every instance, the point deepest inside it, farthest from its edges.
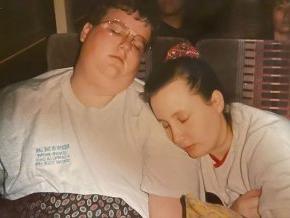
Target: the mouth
(187, 148)
(117, 58)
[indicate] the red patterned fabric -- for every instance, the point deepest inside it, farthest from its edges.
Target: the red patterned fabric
(184, 49)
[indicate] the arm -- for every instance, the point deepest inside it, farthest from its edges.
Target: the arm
(160, 207)
(247, 204)
(167, 171)
(269, 169)
(1, 180)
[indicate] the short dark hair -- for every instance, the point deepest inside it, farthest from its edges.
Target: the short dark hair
(99, 8)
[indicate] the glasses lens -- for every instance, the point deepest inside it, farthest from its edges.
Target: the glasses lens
(139, 44)
(118, 27)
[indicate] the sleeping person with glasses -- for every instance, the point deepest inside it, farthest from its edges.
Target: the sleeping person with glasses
(80, 141)
(123, 31)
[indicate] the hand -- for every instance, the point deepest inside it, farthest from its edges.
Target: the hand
(247, 204)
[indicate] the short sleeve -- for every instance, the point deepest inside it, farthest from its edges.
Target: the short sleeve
(9, 129)
(168, 171)
(2, 122)
(2, 174)
(269, 169)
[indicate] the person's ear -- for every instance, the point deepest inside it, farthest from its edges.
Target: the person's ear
(217, 101)
(85, 31)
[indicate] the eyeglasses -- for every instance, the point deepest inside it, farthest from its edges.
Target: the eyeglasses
(119, 29)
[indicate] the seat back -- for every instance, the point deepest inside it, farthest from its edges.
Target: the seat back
(62, 50)
(223, 56)
(255, 72)
(266, 75)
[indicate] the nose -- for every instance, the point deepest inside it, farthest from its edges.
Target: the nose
(178, 136)
(126, 43)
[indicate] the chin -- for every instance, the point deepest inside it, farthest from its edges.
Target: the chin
(113, 72)
(195, 151)
(195, 155)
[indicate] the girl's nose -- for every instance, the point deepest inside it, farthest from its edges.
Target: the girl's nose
(178, 137)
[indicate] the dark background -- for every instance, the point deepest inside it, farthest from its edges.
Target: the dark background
(26, 25)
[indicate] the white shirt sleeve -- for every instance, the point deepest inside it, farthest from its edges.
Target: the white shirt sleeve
(277, 213)
(269, 168)
(2, 174)
(168, 171)
(8, 133)
(2, 128)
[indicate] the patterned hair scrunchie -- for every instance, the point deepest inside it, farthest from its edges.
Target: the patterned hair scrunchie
(184, 49)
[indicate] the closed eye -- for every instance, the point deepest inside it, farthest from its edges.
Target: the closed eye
(139, 48)
(115, 28)
(115, 31)
(181, 116)
(183, 120)
(138, 44)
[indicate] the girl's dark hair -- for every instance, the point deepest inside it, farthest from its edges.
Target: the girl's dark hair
(198, 74)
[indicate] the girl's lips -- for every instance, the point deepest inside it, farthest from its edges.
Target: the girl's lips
(188, 148)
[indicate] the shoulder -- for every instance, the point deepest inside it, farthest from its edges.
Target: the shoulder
(134, 98)
(257, 120)
(140, 111)
(261, 135)
(24, 96)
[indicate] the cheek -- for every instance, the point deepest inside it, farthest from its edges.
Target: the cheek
(207, 127)
(133, 61)
(103, 42)
(92, 48)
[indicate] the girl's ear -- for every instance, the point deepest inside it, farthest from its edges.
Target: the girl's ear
(217, 101)
(85, 31)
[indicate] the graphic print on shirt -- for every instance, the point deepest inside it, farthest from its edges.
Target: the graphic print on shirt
(52, 155)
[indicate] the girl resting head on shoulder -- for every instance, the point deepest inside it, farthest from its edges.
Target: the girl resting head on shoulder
(244, 152)
(188, 100)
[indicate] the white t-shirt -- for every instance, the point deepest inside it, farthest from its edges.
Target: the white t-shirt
(50, 142)
(259, 158)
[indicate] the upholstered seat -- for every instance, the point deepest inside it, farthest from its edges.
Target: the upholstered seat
(255, 72)
(62, 50)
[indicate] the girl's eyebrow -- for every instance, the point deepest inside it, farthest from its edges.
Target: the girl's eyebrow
(176, 113)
